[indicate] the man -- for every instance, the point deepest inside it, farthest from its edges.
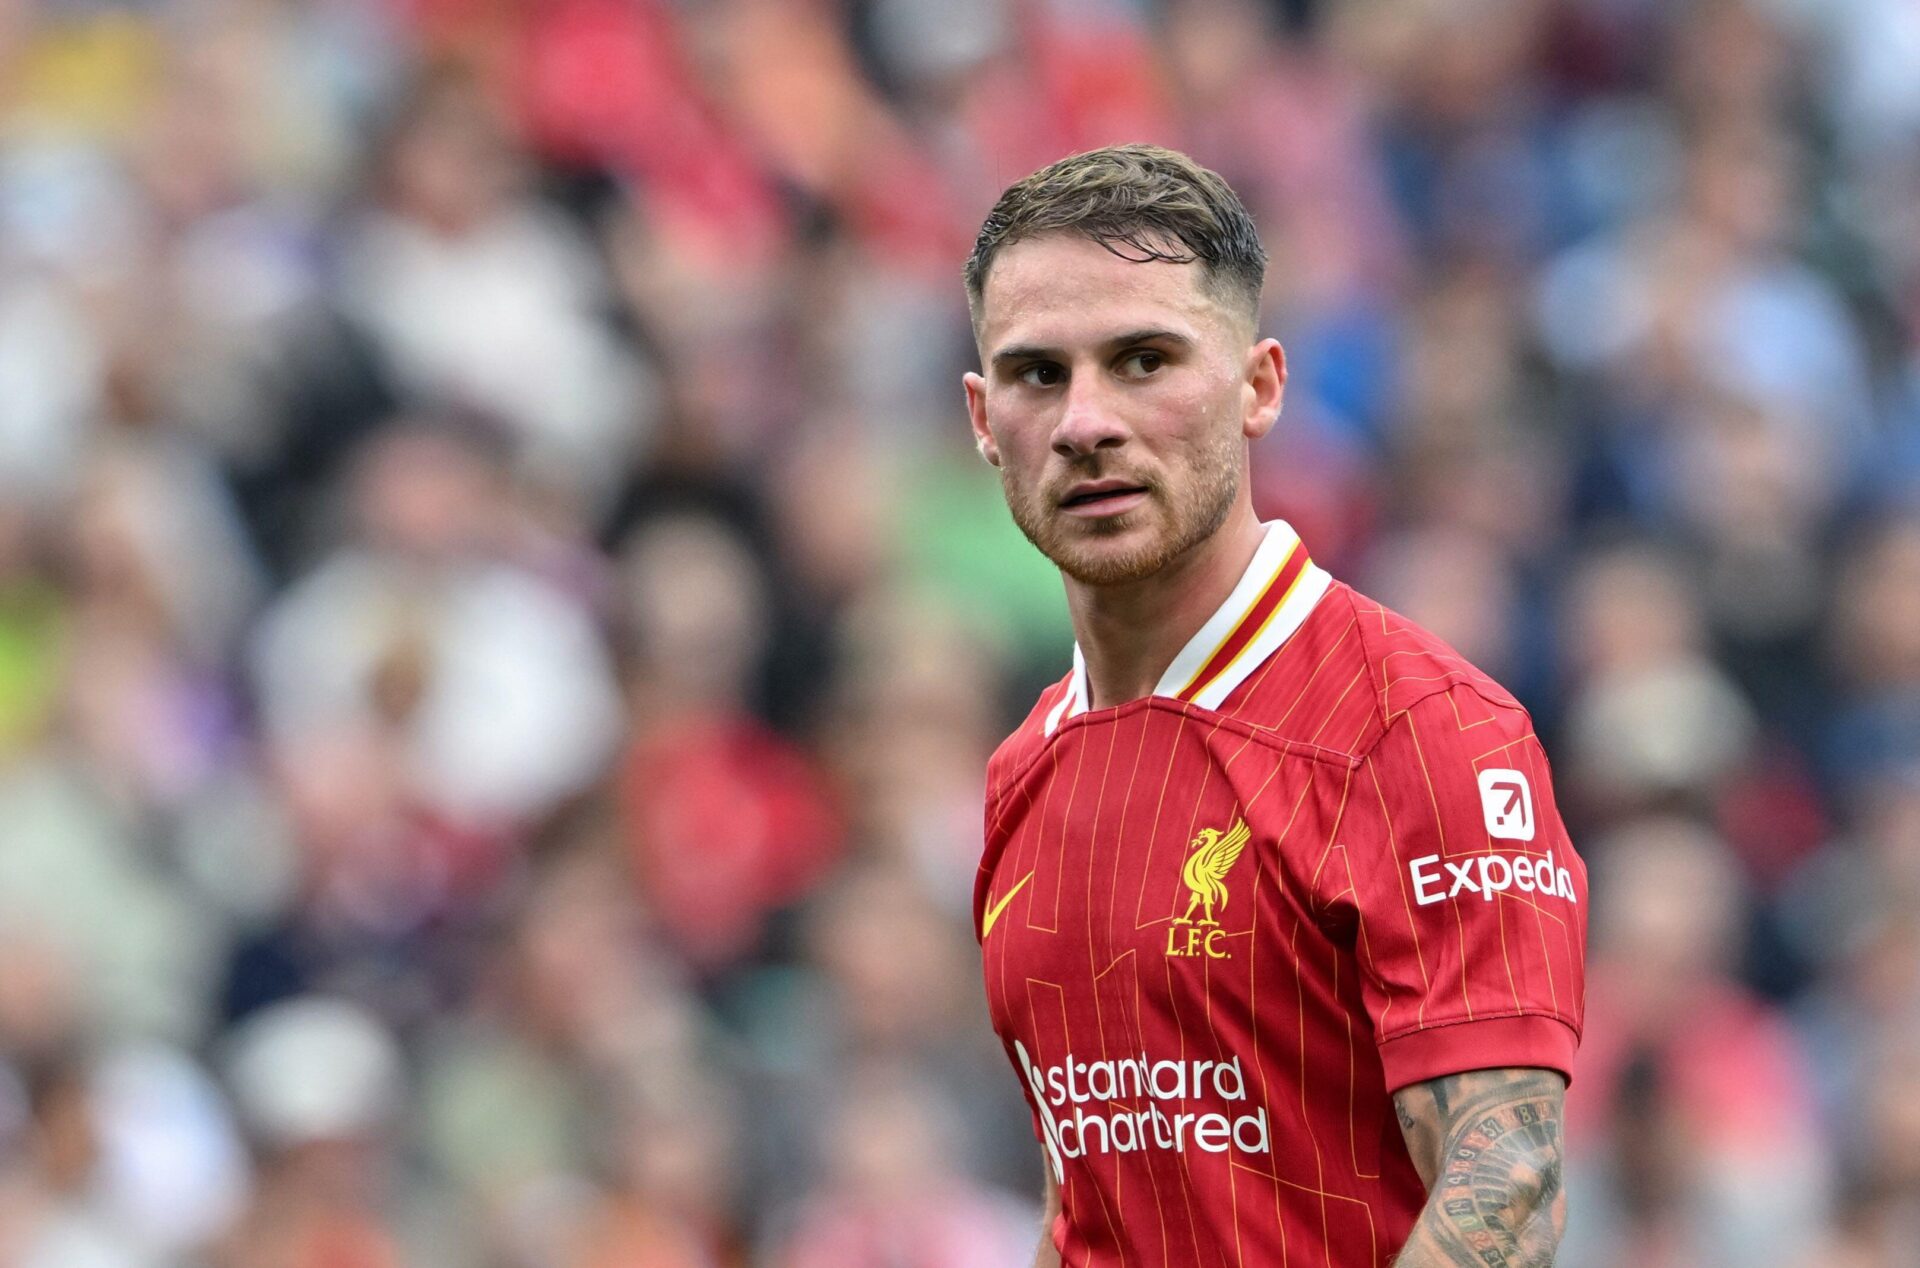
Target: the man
(1272, 870)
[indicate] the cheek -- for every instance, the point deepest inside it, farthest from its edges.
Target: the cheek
(1200, 419)
(1019, 431)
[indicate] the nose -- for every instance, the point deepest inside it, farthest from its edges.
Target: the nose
(1087, 422)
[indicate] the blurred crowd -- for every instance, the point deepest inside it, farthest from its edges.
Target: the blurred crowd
(501, 622)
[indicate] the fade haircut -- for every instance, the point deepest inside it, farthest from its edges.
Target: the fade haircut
(1140, 202)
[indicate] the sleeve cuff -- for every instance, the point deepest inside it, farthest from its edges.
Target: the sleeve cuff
(1492, 1044)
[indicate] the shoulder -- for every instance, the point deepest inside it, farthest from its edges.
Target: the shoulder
(1352, 671)
(1414, 671)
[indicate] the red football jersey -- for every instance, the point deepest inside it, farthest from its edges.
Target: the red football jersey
(1222, 924)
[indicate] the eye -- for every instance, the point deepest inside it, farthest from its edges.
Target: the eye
(1141, 364)
(1042, 374)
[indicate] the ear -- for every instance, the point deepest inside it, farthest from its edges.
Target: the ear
(1263, 389)
(977, 414)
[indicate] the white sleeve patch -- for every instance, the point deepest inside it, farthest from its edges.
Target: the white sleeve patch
(1506, 799)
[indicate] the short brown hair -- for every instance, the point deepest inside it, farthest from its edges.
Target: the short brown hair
(1140, 202)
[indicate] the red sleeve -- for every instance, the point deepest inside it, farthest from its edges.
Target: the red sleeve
(1467, 902)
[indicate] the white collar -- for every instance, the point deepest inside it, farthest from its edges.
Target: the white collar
(1280, 587)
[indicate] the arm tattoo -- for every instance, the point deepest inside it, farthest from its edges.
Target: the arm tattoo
(1488, 1144)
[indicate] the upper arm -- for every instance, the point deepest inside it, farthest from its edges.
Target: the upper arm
(1487, 1143)
(1465, 898)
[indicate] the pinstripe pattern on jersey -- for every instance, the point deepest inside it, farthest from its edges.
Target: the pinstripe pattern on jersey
(1349, 750)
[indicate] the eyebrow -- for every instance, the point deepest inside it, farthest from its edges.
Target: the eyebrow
(1148, 334)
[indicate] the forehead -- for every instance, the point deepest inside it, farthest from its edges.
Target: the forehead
(1063, 289)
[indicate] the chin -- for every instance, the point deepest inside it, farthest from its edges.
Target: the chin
(1111, 559)
(1132, 546)
(1108, 572)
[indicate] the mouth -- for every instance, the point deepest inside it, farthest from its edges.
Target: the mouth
(1102, 497)
(1100, 492)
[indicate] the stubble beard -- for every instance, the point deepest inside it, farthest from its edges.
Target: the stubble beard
(1074, 546)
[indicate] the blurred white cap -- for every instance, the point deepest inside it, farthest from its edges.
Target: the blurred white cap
(314, 1069)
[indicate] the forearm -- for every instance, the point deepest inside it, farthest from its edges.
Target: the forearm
(1492, 1164)
(1048, 1256)
(1456, 1230)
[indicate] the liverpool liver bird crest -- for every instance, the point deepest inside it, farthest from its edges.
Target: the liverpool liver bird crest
(1214, 853)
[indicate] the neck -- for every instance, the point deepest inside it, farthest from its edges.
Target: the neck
(1128, 634)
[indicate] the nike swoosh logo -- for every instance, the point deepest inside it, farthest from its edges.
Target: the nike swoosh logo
(993, 912)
